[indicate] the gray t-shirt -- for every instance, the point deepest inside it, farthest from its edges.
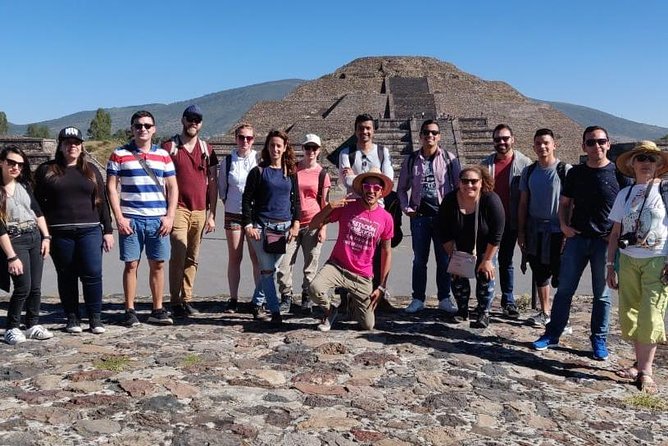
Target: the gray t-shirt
(18, 207)
(544, 188)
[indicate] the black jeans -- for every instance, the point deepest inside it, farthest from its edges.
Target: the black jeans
(28, 286)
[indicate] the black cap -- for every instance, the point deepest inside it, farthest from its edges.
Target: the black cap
(193, 110)
(70, 132)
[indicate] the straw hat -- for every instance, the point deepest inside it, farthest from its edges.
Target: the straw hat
(625, 160)
(374, 172)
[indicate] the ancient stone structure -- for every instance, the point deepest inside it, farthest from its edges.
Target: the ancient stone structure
(402, 91)
(37, 150)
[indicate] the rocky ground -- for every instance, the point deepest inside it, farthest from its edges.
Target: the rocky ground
(223, 379)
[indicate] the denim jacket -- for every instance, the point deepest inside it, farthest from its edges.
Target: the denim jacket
(520, 161)
(445, 181)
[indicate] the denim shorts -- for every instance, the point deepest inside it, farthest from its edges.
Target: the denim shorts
(233, 221)
(145, 234)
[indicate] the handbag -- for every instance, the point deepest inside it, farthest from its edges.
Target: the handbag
(274, 241)
(462, 264)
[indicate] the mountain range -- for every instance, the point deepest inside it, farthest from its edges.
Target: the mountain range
(223, 109)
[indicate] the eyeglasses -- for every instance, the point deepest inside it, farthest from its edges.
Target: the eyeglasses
(469, 181)
(643, 157)
(431, 132)
(193, 118)
(245, 137)
(372, 187)
(139, 126)
(498, 139)
(12, 163)
(593, 142)
(313, 148)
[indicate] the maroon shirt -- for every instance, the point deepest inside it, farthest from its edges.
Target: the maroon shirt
(502, 170)
(191, 176)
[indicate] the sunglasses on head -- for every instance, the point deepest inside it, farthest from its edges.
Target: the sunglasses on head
(193, 118)
(502, 138)
(470, 181)
(372, 187)
(245, 138)
(431, 132)
(645, 157)
(593, 142)
(139, 126)
(12, 163)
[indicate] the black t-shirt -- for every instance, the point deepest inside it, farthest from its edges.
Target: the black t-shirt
(459, 227)
(593, 192)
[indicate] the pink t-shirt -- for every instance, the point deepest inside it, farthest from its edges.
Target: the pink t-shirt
(360, 230)
(308, 192)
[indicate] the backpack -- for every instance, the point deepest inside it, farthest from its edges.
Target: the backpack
(448, 165)
(561, 173)
(334, 156)
(175, 142)
(322, 200)
(228, 167)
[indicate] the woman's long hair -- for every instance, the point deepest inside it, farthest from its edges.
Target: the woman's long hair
(487, 180)
(25, 177)
(57, 169)
(288, 160)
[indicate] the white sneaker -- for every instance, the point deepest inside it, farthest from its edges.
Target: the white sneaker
(415, 306)
(568, 330)
(447, 305)
(38, 332)
(14, 336)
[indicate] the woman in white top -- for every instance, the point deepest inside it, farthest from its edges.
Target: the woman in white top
(231, 184)
(640, 231)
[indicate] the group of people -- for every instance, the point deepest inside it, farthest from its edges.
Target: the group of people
(164, 198)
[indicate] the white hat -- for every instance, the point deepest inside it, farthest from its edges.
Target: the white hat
(312, 138)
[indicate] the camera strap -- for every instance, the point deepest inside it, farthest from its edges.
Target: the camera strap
(642, 206)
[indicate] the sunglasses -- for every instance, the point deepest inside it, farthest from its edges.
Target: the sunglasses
(431, 132)
(372, 187)
(193, 118)
(502, 138)
(245, 138)
(593, 142)
(313, 148)
(469, 181)
(12, 163)
(140, 126)
(643, 157)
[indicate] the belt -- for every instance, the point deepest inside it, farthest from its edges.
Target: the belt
(21, 228)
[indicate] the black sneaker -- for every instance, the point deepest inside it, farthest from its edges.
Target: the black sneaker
(511, 312)
(286, 304)
(190, 310)
(276, 320)
(482, 321)
(179, 311)
(73, 324)
(131, 319)
(259, 314)
(95, 322)
(232, 306)
(160, 317)
(307, 305)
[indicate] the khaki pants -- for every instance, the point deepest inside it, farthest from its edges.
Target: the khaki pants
(359, 292)
(307, 239)
(186, 238)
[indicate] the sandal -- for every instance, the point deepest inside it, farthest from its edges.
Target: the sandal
(630, 373)
(646, 383)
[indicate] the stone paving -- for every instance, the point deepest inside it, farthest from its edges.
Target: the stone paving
(224, 379)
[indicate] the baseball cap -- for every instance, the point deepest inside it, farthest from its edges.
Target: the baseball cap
(193, 110)
(70, 132)
(312, 139)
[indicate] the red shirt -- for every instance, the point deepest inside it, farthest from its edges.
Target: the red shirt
(191, 176)
(502, 170)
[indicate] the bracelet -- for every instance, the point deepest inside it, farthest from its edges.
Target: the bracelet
(381, 289)
(47, 237)
(609, 264)
(11, 259)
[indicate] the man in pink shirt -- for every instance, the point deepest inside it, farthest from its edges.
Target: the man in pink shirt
(363, 226)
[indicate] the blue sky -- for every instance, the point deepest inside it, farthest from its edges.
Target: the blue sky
(65, 56)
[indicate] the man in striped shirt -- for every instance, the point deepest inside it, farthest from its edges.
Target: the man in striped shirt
(144, 211)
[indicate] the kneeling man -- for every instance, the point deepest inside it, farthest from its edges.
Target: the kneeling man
(363, 226)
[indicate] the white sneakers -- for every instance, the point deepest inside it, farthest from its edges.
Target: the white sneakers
(415, 306)
(16, 336)
(446, 305)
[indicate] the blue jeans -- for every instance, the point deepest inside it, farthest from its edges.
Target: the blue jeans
(77, 255)
(505, 265)
(424, 232)
(268, 265)
(27, 286)
(578, 251)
